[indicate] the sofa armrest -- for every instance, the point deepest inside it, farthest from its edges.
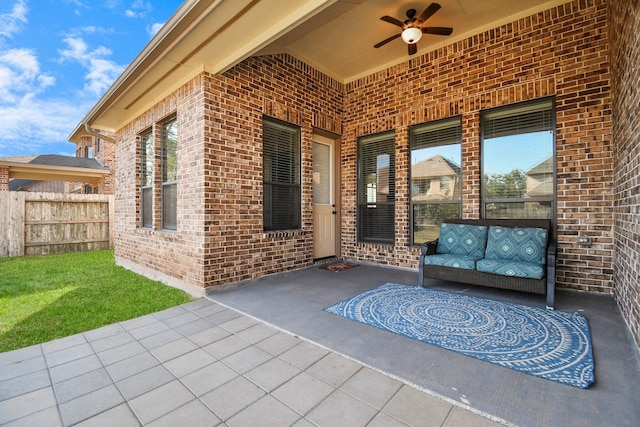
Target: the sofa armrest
(551, 275)
(429, 248)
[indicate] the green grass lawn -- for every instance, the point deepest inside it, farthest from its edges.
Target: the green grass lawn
(54, 296)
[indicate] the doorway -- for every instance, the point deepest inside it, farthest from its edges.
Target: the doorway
(325, 209)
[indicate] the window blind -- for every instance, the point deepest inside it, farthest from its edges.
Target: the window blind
(443, 132)
(376, 188)
(281, 175)
(147, 161)
(169, 174)
(532, 117)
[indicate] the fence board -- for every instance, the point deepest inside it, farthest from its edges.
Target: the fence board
(47, 223)
(4, 224)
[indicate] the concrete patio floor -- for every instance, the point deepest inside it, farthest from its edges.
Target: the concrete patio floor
(263, 353)
(294, 302)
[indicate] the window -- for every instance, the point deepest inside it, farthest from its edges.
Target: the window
(146, 173)
(89, 152)
(518, 163)
(169, 174)
(376, 188)
(281, 175)
(97, 145)
(436, 176)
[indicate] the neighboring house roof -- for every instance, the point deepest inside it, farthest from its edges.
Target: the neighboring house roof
(542, 188)
(56, 160)
(214, 36)
(20, 184)
(53, 167)
(544, 167)
(435, 166)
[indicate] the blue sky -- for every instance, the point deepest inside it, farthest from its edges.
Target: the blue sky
(57, 57)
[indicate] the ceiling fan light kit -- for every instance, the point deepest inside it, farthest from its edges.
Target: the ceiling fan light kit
(411, 35)
(412, 28)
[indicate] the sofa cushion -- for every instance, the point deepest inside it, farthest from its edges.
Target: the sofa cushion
(448, 260)
(462, 239)
(511, 268)
(517, 244)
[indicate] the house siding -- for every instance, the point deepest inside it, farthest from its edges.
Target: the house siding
(624, 25)
(174, 257)
(220, 237)
(561, 52)
(281, 87)
(106, 156)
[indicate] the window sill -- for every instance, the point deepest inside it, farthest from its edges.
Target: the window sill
(283, 233)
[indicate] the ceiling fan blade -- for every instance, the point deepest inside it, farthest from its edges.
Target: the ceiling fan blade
(441, 31)
(385, 41)
(433, 8)
(393, 21)
(413, 48)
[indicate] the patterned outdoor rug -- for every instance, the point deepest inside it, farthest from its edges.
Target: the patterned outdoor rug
(545, 343)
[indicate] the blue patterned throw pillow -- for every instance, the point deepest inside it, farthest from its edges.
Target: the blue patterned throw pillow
(517, 244)
(462, 239)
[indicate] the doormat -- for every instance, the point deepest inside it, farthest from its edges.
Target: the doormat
(339, 266)
(545, 343)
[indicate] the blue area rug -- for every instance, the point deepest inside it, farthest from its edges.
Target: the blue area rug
(545, 343)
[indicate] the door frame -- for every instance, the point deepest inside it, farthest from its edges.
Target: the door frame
(334, 140)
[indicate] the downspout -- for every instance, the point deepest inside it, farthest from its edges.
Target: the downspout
(92, 132)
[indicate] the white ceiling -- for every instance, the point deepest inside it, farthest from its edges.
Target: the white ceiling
(339, 40)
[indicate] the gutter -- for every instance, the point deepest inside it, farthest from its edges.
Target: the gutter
(87, 128)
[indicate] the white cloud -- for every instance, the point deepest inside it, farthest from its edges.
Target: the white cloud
(101, 71)
(23, 112)
(20, 76)
(154, 28)
(138, 9)
(45, 122)
(11, 23)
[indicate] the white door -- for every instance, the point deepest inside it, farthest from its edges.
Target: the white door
(324, 208)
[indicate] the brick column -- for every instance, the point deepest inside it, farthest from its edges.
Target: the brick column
(4, 179)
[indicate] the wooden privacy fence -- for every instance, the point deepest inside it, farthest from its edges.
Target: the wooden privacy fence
(49, 223)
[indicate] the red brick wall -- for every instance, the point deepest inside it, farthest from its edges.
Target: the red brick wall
(106, 155)
(561, 52)
(220, 238)
(47, 187)
(237, 248)
(624, 24)
(4, 179)
(175, 257)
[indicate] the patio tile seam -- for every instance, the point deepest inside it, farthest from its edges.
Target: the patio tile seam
(8, 358)
(175, 376)
(25, 391)
(114, 383)
(53, 391)
(402, 380)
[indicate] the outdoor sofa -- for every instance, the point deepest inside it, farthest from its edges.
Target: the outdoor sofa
(516, 254)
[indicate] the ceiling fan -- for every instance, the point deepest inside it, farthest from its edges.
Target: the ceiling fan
(412, 28)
